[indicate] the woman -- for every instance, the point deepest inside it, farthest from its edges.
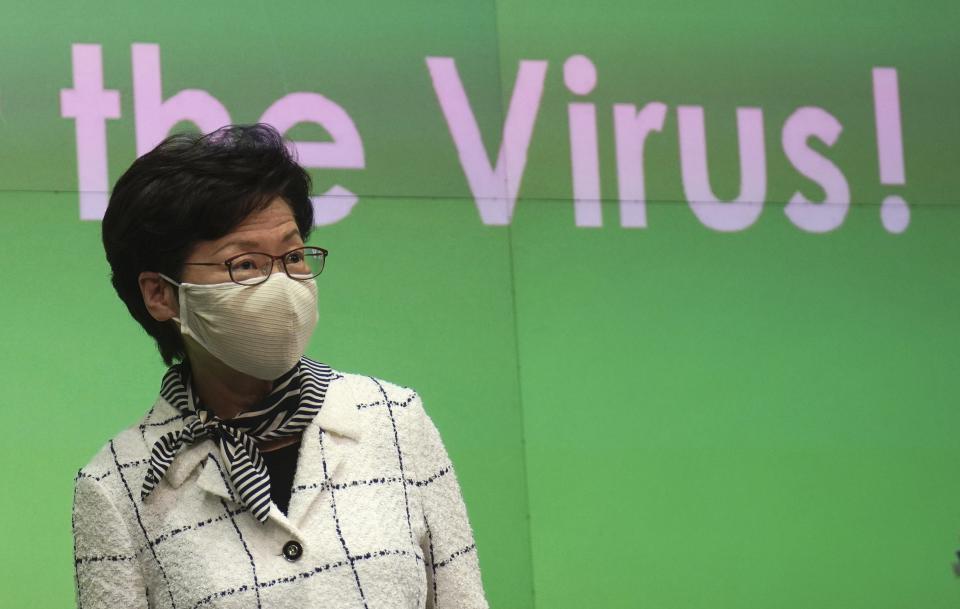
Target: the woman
(259, 478)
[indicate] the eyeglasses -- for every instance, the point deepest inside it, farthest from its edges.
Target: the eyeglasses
(252, 268)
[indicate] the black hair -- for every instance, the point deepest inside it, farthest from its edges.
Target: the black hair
(193, 188)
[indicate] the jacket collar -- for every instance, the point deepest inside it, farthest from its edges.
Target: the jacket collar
(337, 420)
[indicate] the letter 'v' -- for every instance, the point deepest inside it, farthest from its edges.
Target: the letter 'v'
(494, 188)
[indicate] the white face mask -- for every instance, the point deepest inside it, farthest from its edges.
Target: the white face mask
(260, 330)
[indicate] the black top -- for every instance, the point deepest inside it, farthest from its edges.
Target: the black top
(281, 465)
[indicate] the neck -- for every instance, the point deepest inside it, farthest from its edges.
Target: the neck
(224, 390)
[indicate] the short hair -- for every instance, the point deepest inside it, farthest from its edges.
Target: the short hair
(193, 188)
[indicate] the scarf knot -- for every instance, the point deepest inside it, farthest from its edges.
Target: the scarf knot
(288, 409)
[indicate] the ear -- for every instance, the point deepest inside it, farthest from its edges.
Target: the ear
(159, 296)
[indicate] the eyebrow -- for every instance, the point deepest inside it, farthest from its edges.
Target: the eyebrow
(253, 245)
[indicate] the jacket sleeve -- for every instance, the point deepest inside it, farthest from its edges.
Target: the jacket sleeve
(450, 554)
(108, 574)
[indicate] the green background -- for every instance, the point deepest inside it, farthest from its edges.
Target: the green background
(664, 417)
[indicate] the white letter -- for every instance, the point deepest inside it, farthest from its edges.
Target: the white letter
(90, 104)
(344, 151)
(580, 76)
(744, 210)
(630, 130)
(494, 189)
(154, 117)
(828, 215)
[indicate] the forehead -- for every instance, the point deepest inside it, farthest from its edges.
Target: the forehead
(266, 230)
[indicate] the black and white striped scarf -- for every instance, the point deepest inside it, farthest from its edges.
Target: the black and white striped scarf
(294, 401)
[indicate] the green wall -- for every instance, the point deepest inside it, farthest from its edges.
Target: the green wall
(666, 415)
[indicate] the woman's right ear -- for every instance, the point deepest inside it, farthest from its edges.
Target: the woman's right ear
(159, 296)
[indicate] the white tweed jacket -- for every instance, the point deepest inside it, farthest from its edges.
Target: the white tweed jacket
(376, 517)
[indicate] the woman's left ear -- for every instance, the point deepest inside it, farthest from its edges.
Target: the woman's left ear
(159, 296)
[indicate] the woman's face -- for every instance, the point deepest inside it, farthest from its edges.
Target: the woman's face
(271, 230)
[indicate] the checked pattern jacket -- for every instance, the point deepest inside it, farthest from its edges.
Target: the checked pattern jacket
(376, 518)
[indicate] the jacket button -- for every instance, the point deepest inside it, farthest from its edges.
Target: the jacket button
(292, 550)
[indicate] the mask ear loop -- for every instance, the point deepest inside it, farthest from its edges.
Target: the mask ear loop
(181, 301)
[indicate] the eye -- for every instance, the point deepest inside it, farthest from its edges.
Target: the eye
(294, 257)
(244, 264)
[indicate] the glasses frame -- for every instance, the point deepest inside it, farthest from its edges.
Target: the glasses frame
(283, 265)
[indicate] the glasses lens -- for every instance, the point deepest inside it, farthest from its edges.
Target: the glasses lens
(305, 262)
(250, 268)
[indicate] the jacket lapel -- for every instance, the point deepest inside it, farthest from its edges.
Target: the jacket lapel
(162, 419)
(327, 444)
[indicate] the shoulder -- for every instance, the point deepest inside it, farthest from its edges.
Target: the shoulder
(392, 415)
(369, 391)
(378, 403)
(128, 450)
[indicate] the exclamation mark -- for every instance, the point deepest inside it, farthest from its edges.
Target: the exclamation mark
(894, 212)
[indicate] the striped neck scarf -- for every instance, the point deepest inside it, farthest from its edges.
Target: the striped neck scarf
(294, 401)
